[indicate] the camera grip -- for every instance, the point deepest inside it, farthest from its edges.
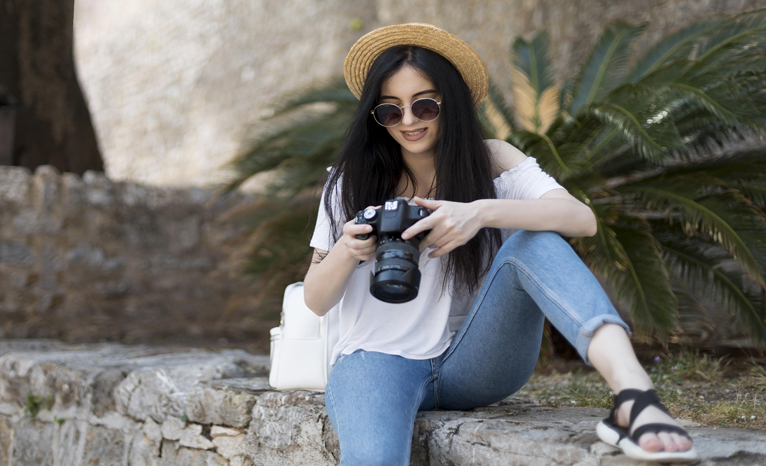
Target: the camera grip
(363, 236)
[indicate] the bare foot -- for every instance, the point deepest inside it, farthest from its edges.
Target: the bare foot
(667, 441)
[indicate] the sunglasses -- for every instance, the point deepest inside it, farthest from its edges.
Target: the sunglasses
(389, 115)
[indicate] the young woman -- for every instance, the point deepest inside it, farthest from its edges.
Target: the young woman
(493, 262)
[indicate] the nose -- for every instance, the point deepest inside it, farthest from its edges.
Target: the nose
(407, 117)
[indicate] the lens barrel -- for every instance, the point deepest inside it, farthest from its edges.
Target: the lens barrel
(396, 277)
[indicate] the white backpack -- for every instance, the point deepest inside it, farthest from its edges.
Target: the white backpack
(302, 344)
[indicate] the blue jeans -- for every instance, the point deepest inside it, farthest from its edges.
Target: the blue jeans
(372, 398)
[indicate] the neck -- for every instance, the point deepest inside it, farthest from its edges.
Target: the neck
(423, 168)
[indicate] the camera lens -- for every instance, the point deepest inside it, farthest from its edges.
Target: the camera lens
(396, 277)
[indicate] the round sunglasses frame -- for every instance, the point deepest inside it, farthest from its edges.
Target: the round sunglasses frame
(401, 109)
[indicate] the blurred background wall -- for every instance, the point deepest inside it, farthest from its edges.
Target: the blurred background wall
(174, 85)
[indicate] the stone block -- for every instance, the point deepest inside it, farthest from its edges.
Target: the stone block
(144, 451)
(290, 428)
(100, 190)
(188, 435)
(221, 431)
(104, 446)
(29, 222)
(174, 454)
(69, 443)
(73, 190)
(167, 385)
(208, 405)
(17, 253)
(14, 184)
(46, 191)
(6, 436)
(228, 447)
(33, 442)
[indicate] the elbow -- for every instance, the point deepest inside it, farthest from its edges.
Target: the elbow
(588, 223)
(591, 227)
(313, 307)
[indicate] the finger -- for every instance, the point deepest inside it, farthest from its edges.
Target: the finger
(419, 226)
(437, 236)
(446, 249)
(358, 244)
(353, 229)
(427, 203)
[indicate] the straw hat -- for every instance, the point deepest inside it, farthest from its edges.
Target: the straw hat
(461, 55)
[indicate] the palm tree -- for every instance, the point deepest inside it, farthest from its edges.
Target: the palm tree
(664, 147)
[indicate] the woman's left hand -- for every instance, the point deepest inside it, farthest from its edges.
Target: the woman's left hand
(452, 224)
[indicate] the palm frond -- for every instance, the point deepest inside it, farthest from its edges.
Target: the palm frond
(702, 207)
(631, 110)
(735, 37)
(703, 266)
(302, 147)
(495, 115)
(673, 47)
(604, 68)
(631, 260)
(333, 92)
(536, 96)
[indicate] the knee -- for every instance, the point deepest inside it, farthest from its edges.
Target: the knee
(535, 243)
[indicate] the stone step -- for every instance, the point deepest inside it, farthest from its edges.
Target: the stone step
(143, 405)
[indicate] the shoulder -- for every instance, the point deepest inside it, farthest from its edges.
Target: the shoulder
(504, 156)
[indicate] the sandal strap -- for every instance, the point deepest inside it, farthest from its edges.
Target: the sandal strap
(645, 399)
(656, 428)
(626, 395)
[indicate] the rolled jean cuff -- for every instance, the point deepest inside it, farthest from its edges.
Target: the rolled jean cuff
(587, 330)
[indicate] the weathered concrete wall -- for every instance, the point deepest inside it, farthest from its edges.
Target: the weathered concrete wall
(86, 259)
(137, 405)
(172, 84)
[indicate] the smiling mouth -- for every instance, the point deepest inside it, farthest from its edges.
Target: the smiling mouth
(414, 133)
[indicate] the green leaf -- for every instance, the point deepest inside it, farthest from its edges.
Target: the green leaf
(630, 259)
(735, 37)
(631, 111)
(604, 68)
(672, 47)
(703, 266)
(495, 115)
(723, 214)
(536, 96)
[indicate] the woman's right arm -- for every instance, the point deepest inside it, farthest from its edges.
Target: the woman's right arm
(327, 278)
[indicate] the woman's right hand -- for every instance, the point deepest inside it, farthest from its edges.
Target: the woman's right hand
(361, 249)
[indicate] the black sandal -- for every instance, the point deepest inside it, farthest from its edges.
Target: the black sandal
(611, 433)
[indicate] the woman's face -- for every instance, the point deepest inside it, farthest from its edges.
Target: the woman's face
(402, 88)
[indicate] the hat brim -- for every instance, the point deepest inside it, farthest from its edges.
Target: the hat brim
(367, 49)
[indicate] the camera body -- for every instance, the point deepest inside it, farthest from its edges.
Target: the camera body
(395, 278)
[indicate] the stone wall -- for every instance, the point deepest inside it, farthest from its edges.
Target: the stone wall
(147, 406)
(173, 84)
(88, 259)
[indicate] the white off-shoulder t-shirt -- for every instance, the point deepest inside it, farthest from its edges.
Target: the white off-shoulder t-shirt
(424, 327)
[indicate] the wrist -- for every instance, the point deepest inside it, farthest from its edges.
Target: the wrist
(481, 207)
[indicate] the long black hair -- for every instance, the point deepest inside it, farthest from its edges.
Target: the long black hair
(370, 166)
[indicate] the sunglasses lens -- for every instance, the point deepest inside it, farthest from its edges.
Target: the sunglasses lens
(425, 109)
(388, 114)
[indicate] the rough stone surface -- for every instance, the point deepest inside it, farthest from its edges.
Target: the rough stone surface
(88, 259)
(283, 428)
(172, 85)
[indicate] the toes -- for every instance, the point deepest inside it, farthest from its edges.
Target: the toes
(667, 442)
(650, 442)
(681, 442)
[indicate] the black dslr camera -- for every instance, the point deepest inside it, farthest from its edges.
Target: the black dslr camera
(396, 277)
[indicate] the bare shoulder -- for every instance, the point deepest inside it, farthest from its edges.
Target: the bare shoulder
(504, 156)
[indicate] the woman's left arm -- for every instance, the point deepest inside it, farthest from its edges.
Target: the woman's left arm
(556, 210)
(452, 224)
